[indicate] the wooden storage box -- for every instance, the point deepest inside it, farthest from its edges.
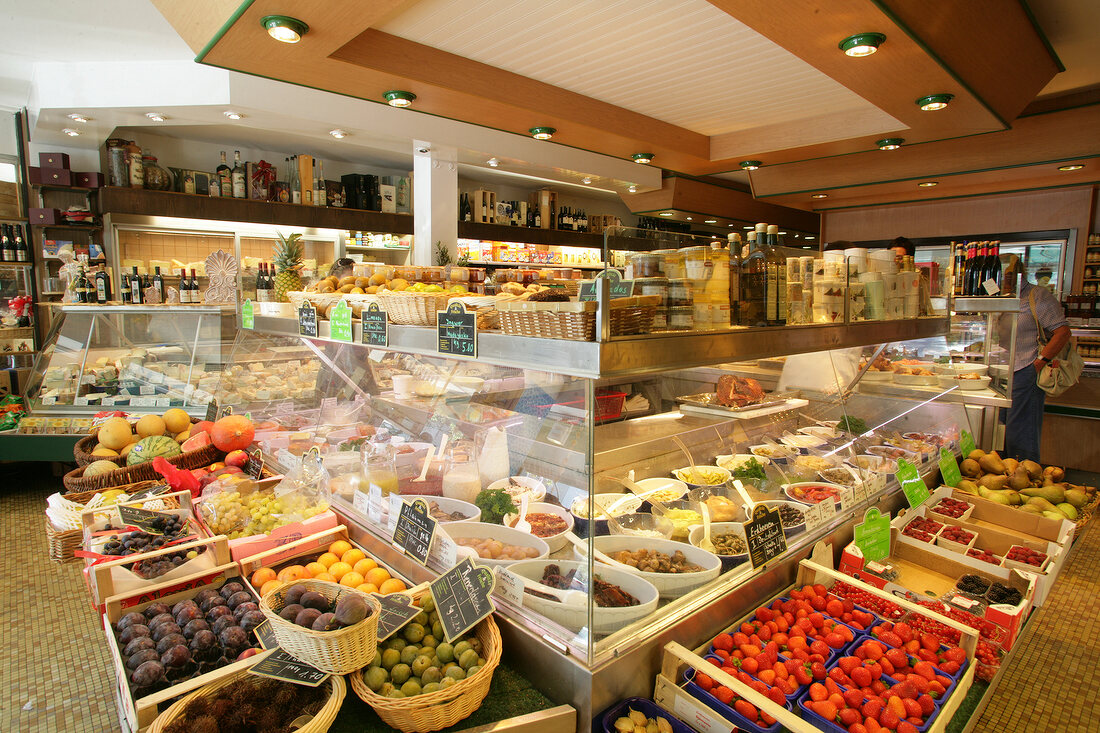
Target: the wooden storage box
(546, 201)
(45, 217)
(50, 176)
(90, 179)
(53, 160)
(483, 205)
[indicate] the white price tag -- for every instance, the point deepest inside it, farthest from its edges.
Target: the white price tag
(847, 499)
(375, 505)
(509, 586)
(49, 400)
(142, 402)
(444, 550)
(991, 287)
(828, 510)
(860, 493)
(107, 400)
(164, 401)
(80, 400)
(694, 715)
(147, 389)
(813, 517)
(87, 379)
(327, 403)
(360, 501)
(962, 602)
(395, 510)
(876, 483)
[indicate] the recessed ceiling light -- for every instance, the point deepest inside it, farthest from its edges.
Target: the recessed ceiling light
(156, 116)
(632, 188)
(710, 221)
(586, 180)
(806, 246)
(890, 143)
(797, 235)
(750, 165)
(928, 184)
(71, 132)
(689, 218)
(284, 28)
(730, 226)
(666, 213)
(233, 115)
(542, 133)
(79, 118)
(933, 102)
(748, 227)
(1071, 167)
(398, 98)
(492, 162)
(783, 233)
(338, 134)
(642, 157)
(862, 44)
(809, 237)
(820, 196)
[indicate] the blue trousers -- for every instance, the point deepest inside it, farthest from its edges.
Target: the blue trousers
(1024, 421)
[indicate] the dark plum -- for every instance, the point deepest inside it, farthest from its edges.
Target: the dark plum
(136, 645)
(212, 602)
(141, 657)
(128, 620)
(177, 656)
(194, 626)
(217, 612)
(190, 613)
(291, 611)
(166, 629)
(229, 589)
(156, 609)
(182, 604)
(223, 623)
(170, 641)
(244, 608)
(252, 619)
(159, 619)
(233, 638)
(238, 598)
(149, 673)
(205, 593)
(132, 632)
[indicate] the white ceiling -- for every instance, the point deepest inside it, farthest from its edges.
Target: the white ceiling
(707, 72)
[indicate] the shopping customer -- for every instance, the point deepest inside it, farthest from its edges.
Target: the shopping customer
(1024, 418)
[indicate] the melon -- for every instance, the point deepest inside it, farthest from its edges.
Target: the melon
(195, 442)
(114, 433)
(99, 468)
(149, 426)
(177, 420)
(126, 450)
(183, 436)
(232, 432)
(149, 448)
(103, 451)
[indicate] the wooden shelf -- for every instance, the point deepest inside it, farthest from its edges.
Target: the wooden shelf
(54, 187)
(527, 235)
(73, 227)
(191, 206)
(534, 265)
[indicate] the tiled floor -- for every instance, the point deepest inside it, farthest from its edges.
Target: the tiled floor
(1050, 680)
(56, 675)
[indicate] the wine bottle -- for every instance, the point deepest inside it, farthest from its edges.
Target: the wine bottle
(184, 293)
(968, 273)
(158, 284)
(240, 189)
(959, 251)
(538, 218)
(8, 251)
(294, 181)
(22, 252)
(5, 237)
(196, 296)
(225, 178)
(136, 296)
(319, 191)
(733, 241)
(754, 286)
(777, 274)
(261, 282)
(102, 285)
(994, 271)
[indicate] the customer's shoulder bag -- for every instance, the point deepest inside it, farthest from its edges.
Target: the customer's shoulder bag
(1065, 369)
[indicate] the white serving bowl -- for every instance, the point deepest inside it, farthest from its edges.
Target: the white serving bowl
(535, 489)
(472, 511)
(785, 452)
(887, 452)
(788, 531)
(624, 504)
(659, 485)
(415, 458)
(910, 380)
(790, 489)
(689, 477)
(870, 462)
(507, 535)
(735, 461)
(961, 368)
(556, 541)
(695, 536)
(669, 585)
(465, 385)
(605, 620)
(803, 442)
(968, 384)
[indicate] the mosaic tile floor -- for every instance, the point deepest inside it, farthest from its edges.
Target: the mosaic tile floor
(55, 670)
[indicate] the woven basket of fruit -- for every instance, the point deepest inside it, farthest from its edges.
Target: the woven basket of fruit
(443, 707)
(64, 542)
(283, 699)
(335, 628)
(407, 308)
(111, 441)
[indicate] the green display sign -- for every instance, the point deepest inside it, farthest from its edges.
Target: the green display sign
(339, 322)
(872, 537)
(949, 468)
(911, 483)
(966, 444)
(248, 315)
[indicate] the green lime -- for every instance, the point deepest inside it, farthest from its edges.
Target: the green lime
(396, 642)
(437, 629)
(396, 693)
(377, 661)
(428, 604)
(461, 648)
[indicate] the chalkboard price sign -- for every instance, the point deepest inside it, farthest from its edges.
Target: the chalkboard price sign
(461, 597)
(764, 534)
(143, 518)
(414, 530)
(618, 287)
(280, 665)
(397, 610)
(255, 464)
(307, 320)
(266, 635)
(457, 331)
(211, 410)
(375, 326)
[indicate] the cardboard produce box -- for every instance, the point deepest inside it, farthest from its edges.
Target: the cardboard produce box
(1007, 518)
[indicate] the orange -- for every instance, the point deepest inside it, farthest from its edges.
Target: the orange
(339, 547)
(364, 566)
(393, 585)
(262, 576)
(316, 567)
(328, 558)
(324, 576)
(338, 569)
(351, 579)
(270, 586)
(378, 576)
(353, 556)
(367, 588)
(293, 572)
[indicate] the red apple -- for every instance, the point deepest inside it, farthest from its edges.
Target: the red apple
(237, 458)
(247, 653)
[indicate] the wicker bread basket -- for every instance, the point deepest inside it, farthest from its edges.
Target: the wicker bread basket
(443, 708)
(336, 652)
(322, 718)
(633, 315)
(82, 451)
(75, 481)
(569, 321)
(413, 309)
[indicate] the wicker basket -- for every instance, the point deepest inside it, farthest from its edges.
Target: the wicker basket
(321, 722)
(413, 309)
(337, 652)
(63, 542)
(319, 300)
(570, 321)
(633, 315)
(82, 451)
(75, 481)
(443, 708)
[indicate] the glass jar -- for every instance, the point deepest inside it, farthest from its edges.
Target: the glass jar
(477, 274)
(695, 262)
(680, 293)
(118, 162)
(156, 178)
(133, 160)
(526, 277)
(379, 470)
(461, 478)
(458, 274)
(653, 286)
(407, 273)
(385, 271)
(681, 318)
(646, 265)
(431, 274)
(672, 264)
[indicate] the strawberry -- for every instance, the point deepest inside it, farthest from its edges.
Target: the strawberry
(906, 726)
(746, 709)
(724, 695)
(818, 692)
(927, 705)
(857, 728)
(704, 681)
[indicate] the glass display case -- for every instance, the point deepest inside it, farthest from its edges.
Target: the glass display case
(136, 358)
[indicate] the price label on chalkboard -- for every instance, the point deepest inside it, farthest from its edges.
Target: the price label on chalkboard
(255, 464)
(764, 535)
(266, 635)
(461, 597)
(397, 610)
(280, 665)
(339, 322)
(949, 468)
(457, 331)
(212, 410)
(414, 530)
(911, 483)
(307, 320)
(376, 331)
(872, 536)
(617, 287)
(248, 314)
(145, 519)
(966, 444)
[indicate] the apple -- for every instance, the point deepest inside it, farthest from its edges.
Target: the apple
(247, 653)
(227, 471)
(237, 458)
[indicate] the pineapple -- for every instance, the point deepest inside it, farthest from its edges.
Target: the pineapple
(288, 260)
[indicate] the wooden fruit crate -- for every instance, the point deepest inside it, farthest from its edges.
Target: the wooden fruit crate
(670, 695)
(184, 506)
(140, 713)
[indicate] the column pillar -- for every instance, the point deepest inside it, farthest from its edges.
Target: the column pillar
(435, 201)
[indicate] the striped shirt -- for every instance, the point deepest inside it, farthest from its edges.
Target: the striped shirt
(1050, 315)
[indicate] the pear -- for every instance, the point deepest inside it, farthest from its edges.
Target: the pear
(967, 487)
(1077, 498)
(993, 481)
(1052, 494)
(970, 467)
(1011, 464)
(1068, 509)
(1057, 473)
(1001, 497)
(992, 463)
(1030, 509)
(1033, 469)
(1054, 515)
(1019, 479)
(1042, 503)
(1014, 497)
(975, 454)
